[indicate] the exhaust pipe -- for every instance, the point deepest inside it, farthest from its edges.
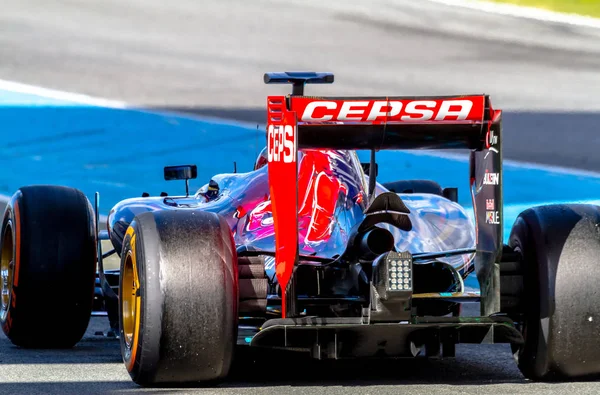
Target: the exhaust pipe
(375, 242)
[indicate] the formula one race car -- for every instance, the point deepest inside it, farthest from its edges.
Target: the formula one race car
(308, 252)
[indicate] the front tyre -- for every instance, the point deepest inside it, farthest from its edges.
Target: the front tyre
(178, 307)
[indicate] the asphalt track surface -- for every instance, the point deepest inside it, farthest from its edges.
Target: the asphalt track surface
(209, 59)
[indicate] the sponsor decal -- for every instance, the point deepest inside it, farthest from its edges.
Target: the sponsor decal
(489, 204)
(377, 111)
(280, 142)
(491, 178)
(491, 139)
(492, 217)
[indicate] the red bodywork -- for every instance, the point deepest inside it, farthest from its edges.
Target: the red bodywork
(282, 151)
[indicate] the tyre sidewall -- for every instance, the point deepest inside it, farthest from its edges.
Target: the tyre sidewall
(532, 356)
(147, 261)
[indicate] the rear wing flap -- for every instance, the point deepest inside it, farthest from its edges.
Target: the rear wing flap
(391, 122)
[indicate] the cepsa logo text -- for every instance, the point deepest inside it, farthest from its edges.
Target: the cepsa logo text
(378, 111)
(280, 143)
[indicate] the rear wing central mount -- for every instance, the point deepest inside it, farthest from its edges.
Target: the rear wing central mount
(298, 79)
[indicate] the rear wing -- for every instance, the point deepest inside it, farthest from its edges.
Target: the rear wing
(388, 122)
(297, 122)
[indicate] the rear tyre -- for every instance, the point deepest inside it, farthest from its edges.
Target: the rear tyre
(178, 291)
(414, 186)
(560, 250)
(48, 267)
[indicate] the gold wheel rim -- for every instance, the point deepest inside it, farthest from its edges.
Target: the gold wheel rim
(130, 300)
(7, 269)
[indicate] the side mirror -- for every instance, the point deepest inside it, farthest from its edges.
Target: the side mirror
(451, 194)
(181, 172)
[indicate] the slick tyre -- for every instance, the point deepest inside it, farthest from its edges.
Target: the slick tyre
(560, 251)
(48, 267)
(178, 307)
(414, 186)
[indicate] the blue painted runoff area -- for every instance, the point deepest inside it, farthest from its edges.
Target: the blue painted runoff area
(121, 153)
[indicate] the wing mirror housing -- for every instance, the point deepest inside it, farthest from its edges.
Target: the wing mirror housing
(181, 172)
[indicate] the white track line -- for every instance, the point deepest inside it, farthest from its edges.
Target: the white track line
(18, 87)
(59, 95)
(523, 12)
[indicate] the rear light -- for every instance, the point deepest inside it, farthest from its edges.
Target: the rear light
(392, 287)
(399, 274)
